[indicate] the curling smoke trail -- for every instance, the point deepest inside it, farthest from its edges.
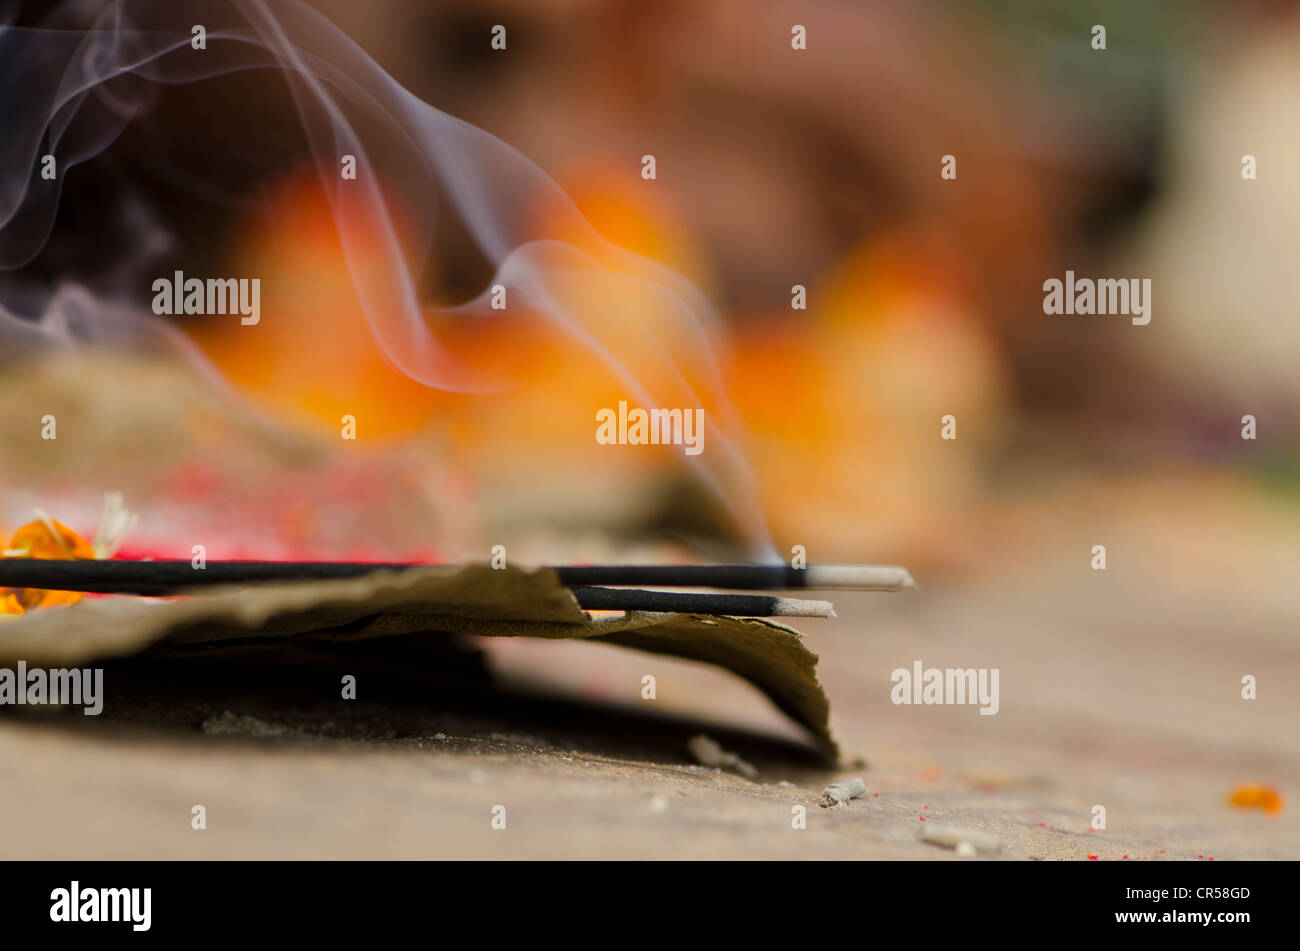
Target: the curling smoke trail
(71, 86)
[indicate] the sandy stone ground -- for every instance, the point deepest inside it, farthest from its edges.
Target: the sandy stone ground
(1119, 689)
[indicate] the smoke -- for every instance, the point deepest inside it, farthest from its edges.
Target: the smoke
(73, 84)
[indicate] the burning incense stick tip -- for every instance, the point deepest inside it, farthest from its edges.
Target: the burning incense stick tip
(796, 607)
(860, 577)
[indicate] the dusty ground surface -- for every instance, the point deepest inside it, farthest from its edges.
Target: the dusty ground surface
(1119, 688)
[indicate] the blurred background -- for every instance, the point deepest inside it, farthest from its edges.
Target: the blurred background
(775, 168)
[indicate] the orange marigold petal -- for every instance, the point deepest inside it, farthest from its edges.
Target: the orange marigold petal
(9, 604)
(38, 598)
(1254, 796)
(36, 540)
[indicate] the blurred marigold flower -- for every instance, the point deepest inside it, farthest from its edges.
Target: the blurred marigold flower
(1252, 796)
(50, 539)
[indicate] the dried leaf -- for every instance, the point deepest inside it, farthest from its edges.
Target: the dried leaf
(471, 600)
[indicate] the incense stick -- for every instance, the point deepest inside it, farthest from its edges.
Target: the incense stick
(161, 577)
(673, 602)
(770, 577)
